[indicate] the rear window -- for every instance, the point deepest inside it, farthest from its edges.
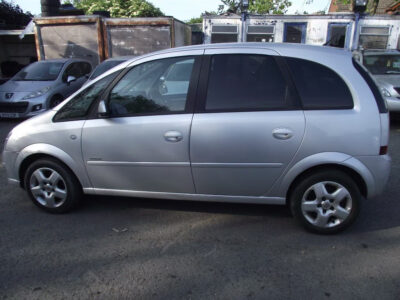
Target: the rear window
(319, 87)
(246, 82)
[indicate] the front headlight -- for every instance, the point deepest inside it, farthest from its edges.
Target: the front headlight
(37, 93)
(385, 92)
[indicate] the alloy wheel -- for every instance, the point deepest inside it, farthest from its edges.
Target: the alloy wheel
(326, 204)
(48, 187)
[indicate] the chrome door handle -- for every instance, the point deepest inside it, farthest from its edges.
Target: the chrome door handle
(173, 136)
(282, 133)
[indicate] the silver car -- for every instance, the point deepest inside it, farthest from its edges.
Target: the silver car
(41, 85)
(385, 68)
(105, 66)
(252, 123)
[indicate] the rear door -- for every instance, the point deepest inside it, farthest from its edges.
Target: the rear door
(248, 124)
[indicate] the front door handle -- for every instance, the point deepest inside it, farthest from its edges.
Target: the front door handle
(173, 136)
(282, 133)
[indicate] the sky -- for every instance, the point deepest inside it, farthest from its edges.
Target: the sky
(187, 9)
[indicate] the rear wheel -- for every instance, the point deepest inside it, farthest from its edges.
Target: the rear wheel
(52, 186)
(326, 202)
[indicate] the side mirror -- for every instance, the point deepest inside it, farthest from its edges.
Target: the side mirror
(102, 109)
(71, 79)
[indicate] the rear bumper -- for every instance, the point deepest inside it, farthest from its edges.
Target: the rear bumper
(379, 166)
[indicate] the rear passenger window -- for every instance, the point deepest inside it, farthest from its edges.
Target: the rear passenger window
(318, 86)
(246, 82)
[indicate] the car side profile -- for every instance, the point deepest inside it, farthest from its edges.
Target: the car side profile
(280, 124)
(42, 85)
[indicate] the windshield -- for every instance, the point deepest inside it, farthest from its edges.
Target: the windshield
(105, 66)
(382, 64)
(40, 71)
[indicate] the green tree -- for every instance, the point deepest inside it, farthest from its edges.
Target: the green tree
(269, 6)
(195, 20)
(256, 6)
(371, 7)
(13, 15)
(120, 8)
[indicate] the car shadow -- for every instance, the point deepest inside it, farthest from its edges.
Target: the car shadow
(109, 203)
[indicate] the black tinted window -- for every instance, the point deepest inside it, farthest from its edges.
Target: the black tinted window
(78, 107)
(156, 86)
(318, 86)
(246, 82)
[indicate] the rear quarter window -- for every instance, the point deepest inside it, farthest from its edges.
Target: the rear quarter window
(318, 86)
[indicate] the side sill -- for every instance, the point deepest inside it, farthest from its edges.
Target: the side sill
(190, 197)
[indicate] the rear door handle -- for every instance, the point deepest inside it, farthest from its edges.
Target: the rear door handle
(173, 136)
(282, 133)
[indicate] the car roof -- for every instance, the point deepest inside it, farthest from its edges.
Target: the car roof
(121, 58)
(281, 48)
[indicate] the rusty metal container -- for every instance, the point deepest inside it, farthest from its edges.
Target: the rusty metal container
(96, 38)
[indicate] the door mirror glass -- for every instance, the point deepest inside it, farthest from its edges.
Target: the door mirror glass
(71, 79)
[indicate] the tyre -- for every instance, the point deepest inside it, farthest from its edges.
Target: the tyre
(55, 100)
(326, 202)
(52, 186)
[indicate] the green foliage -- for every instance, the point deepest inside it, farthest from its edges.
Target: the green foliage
(195, 20)
(371, 7)
(269, 6)
(120, 8)
(256, 6)
(13, 15)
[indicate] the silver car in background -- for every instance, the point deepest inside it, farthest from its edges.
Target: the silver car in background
(251, 123)
(42, 85)
(385, 68)
(105, 66)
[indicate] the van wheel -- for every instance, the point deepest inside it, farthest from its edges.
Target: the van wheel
(326, 202)
(55, 100)
(52, 186)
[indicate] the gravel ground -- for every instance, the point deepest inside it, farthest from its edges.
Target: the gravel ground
(146, 248)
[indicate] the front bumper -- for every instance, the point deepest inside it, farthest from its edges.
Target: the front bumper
(23, 108)
(8, 161)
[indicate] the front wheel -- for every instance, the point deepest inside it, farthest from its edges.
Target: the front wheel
(52, 186)
(326, 202)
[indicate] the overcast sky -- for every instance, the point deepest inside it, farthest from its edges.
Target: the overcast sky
(186, 9)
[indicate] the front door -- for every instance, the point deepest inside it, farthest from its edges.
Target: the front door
(247, 127)
(144, 144)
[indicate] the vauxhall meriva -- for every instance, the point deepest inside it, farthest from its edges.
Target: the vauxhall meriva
(254, 123)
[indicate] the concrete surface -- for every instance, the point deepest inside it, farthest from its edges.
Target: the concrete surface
(154, 249)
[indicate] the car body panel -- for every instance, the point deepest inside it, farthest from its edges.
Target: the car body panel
(237, 154)
(146, 161)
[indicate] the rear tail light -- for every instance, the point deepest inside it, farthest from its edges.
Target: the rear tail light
(383, 150)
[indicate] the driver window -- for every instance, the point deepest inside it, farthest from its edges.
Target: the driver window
(73, 69)
(156, 86)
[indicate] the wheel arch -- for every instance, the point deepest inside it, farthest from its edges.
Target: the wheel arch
(34, 152)
(338, 161)
(360, 182)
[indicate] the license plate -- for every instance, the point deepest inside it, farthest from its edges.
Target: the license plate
(8, 115)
